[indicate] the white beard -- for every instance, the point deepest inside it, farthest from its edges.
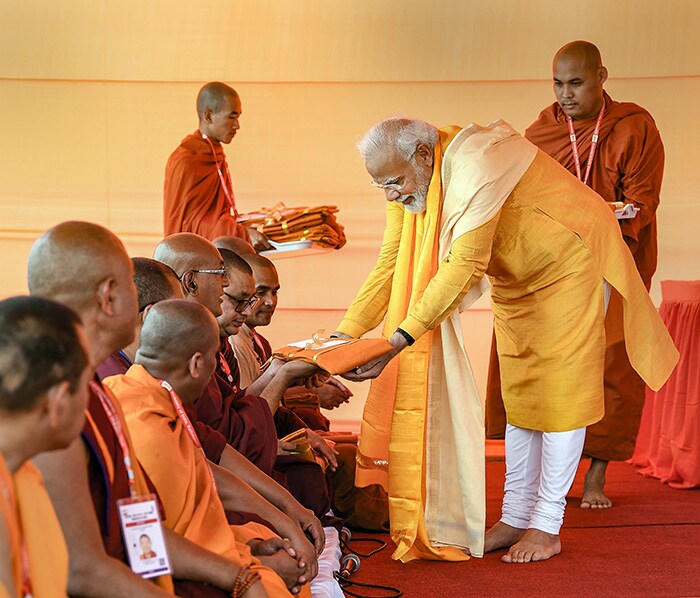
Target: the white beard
(419, 203)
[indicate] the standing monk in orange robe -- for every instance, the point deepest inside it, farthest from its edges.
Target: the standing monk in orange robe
(626, 166)
(43, 394)
(198, 194)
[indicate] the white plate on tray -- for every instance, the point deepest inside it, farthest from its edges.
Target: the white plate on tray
(294, 249)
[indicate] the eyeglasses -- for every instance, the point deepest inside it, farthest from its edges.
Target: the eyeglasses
(242, 304)
(220, 271)
(396, 186)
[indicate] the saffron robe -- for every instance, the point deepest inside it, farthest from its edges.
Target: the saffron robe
(213, 443)
(628, 167)
(34, 522)
(180, 472)
(194, 199)
(543, 253)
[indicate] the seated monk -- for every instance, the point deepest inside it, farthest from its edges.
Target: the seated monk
(43, 394)
(305, 480)
(366, 508)
(175, 360)
(84, 266)
(154, 282)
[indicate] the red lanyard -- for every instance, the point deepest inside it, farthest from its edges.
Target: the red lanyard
(111, 412)
(24, 556)
(177, 403)
(228, 193)
(225, 367)
(594, 143)
(262, 356)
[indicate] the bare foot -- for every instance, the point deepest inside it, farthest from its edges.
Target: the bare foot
(502, 535)
(535, 545)
(593, 485)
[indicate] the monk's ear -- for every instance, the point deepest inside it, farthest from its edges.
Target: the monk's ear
(424, 154)
(207, 115)
(602, 75)
(56, 404)
(189, 283)
(194, 365)
(105, 295)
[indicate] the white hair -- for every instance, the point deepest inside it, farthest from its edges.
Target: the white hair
(404, 134)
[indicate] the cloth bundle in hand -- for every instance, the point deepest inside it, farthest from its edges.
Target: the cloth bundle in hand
(282, 224)
(303, 450)
(335, 355)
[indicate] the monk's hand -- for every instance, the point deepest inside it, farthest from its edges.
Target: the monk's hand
(302, 373)
(270, 546)
(308, 523)
(307, 558)
(324, 448)
(258, 240)
(373, 368)
(285, 448)
(333, 393)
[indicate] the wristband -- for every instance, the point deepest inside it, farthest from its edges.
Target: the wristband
(409, 339)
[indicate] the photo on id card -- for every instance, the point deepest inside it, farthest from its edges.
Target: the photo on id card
(143, 536)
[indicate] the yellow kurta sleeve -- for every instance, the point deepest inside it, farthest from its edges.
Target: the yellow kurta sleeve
(463, 267)
(369, 306)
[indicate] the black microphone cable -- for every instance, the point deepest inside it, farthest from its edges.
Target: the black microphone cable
(351, 563)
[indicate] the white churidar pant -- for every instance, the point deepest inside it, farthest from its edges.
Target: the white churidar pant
(540, 469)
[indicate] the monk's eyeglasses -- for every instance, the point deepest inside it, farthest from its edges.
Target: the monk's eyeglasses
(240, 305)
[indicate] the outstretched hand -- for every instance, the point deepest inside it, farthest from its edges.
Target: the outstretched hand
(373, 368)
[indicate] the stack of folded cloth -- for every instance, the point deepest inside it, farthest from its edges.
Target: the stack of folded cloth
(282, 225)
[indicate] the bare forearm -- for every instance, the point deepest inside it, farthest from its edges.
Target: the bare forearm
(263, 484)
(192, 562)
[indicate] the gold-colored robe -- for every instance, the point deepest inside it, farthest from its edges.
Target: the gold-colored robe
(546, 257)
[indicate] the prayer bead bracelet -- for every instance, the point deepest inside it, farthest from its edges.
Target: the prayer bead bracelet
(244, 580)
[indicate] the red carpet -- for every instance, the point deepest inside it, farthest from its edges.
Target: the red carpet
(648, 544)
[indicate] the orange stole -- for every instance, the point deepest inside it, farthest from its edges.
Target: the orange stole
(406, 380)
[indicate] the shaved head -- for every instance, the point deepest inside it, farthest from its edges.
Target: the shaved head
(198, 265)
(258, 261)
(579, 75)
(69, 261)
(581, 51)
(85, 266)
(174, 330)
(235, 244)
(155, 281)
(212, 96)
(186, 251)
(267, 286)
(235, 262)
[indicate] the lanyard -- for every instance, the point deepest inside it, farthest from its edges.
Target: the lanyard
(177, 403)
(24, 556)
(111, 412)
(228, 193)
(594, 143)
(225, 367)
(261, 357)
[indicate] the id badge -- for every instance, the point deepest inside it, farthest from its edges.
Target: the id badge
(143, 536)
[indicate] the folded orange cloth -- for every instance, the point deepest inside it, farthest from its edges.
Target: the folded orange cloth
(335, 355)
(282, 224)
